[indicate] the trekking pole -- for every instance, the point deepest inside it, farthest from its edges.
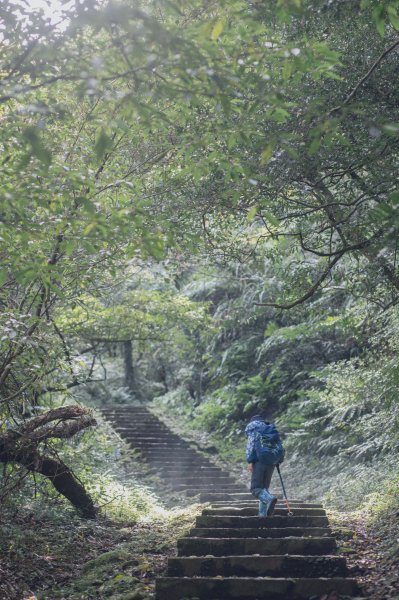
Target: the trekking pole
(290, 513)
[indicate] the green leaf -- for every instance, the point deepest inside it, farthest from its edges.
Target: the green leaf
(287, 70)
(252, 214)
(90, 227)
(333, 75)
(225, 102)
(393, 16)
(31, 134)
(3, 277)
(378, 17)
(271, 218)
(217, 29)
(391, 128)
(314, 145)
(271, 328)
(280, 115)
(231, 141)
(266, 154)
(103, 142)
(69, 247)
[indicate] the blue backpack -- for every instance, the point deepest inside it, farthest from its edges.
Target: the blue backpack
(265, 442)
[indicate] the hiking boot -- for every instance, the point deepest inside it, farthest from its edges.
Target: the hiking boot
(262, 509)
(267, 502)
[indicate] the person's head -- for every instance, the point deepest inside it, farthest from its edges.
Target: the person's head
(258, 418)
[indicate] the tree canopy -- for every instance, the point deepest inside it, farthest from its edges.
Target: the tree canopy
(242, 156)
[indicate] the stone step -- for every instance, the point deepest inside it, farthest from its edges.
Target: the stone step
(132, 420)
(112, 407)
(200, 479)
(268, 522)
(162, 436)
(222, 496)
(169, 457)
(157, 469)
(189, 488)
(134, 415)
(249, 512)
(146, 430)
(227, 486)
(128, 418)
(183, 467)
(172, 453)
(246, 588)
(184, 474)
(174, 460)
(123, 413)
(135, 412)
(209, 486)
(158, 450)
(258, 566)
(272, 532)
(243, 497)
(144, 438)
(131, 410)
(172, 450)
(177, 461)
(255, 505)
(203, 473)
(254, 502)
(189, 491)
(160, 441)
(174, 472)
(190, 546)
(156, 446)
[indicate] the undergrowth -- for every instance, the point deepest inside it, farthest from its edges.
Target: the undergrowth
(116, 556)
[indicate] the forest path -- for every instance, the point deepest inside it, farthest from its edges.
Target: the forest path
(231, 553)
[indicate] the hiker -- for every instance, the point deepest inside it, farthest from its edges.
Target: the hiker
(264, 452)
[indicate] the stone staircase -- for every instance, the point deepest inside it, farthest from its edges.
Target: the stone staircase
(180, 466)
(231, 553)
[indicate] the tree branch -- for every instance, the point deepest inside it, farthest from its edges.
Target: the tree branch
(309, 293)
(56, 414)
(365, 77)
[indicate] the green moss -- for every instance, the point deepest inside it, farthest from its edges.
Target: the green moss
(105, 575)
(106, 560)
(129, 570)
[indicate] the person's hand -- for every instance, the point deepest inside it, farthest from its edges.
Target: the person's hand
(250, 467)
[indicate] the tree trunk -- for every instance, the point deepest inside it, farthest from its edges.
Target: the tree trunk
(20, 447)
(130, 379)
(163, 377)
(59, 474)
(66, 484)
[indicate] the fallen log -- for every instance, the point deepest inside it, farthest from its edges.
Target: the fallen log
(21, 446)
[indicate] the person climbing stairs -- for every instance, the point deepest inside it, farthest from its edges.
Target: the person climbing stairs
(232, 553)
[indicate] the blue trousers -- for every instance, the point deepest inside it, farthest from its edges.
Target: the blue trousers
(261, 478)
